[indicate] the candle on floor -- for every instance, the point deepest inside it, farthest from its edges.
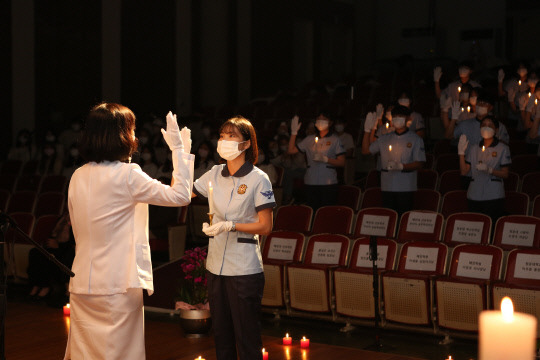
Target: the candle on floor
(200, 358)
(287, 340)
(265, 354)
(304, 343)
(506, 335)
(449, 358)
(67, 309)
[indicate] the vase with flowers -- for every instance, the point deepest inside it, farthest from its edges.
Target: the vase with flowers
(193, 294)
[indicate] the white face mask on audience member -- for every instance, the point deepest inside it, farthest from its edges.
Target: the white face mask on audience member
(398, 122)
(321, 125)
(481, 110)
(487, 132)
(404, 101)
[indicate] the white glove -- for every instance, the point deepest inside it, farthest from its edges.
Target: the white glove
(463, 144)
(172, 135)
(185, 135)
(320, 157)
(394, 166)
(437, 72)
(371, 122)
(379, 110)
(217, 228)
(501, 75)
(295, 125)
(456, 110)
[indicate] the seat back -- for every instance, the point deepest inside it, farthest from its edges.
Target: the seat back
(371, 198)
(283, 246)
(454, 202)
(530, 183)
(28, 183)
(327, 249)
(293, 218)
(422, 258)
(25, 222)
(426, 199)
(427, 179)
(536, 207)
(373, 179)
(472, 261)
(511, 182)
(420, 225)
(470, 228)
(349, 195)
(44, 227)
(450, 180)
(49, 203)
(22, 201)
(525, 163)
(447, 162)
(516, 203)
(376, 221)
(360, 255)
(54, 183)
(333, 219)
(517, 231)
(523, 268)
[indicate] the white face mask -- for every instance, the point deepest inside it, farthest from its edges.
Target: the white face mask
(481, 110)
(531, 83)
(228, 149)
(203, 153)
(472, 100)
(487, 132)
(321, 125)
(399, 122)
(404, 102)
(340, 128)
(146, 156)
(464, 71)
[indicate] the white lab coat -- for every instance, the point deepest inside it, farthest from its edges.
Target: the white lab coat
(108, 206)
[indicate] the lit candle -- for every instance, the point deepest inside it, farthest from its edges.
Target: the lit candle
(67, 309)
(210, 197)
(387, 125)
(529, 94)
(265, 354)
(483, 148)
(462, 109)
(287, 340)
(535, 101)
(459, 89)
(519, 82)
(449, 357)
(304, 343)
(316, 139)
(390, 148)
(200, 358)
(506, 335)
(468, 109)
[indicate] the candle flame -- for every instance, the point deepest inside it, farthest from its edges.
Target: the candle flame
(387, 125)
(468, 109)
(507, 309)
(389, 147)
(199, 358)
(304, 338)
(68, 306)
(287, 335)
(263, 350)
(519, 82)
(316, 139)
(462, 109)
(535, 101)
(529, 94)
(209, 184)
(459, 89)
(483, 148)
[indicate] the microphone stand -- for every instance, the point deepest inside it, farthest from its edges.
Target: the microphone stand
(5, 222)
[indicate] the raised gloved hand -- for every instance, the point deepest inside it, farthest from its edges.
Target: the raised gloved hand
(437, 72)
(484, 168)
(456, 110)
(172, 135)
(295, 125)
(320, 157)
(371, 122)
(500, 76)
(379, 110)
(394, 166)
(185, 135)
(217, 228)
(463, 144)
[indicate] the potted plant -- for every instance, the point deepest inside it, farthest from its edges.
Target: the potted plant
(193, 294)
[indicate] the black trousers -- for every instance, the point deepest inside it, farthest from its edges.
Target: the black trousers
(492, 208)
(400, 201)
(321, 195)
(235, 305)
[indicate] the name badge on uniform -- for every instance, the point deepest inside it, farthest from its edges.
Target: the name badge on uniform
(242, 189)
(409, 145)
(494, 154)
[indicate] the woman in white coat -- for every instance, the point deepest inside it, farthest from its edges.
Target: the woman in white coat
(107, 201)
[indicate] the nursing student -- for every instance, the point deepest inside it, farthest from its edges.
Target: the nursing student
(108, 201)
(241, 200)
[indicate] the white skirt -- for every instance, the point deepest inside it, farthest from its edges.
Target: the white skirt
(106, 327)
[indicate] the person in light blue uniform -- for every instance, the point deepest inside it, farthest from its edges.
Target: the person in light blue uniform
(402, 154)
(488, 162)
(324, 152)
(242, 203)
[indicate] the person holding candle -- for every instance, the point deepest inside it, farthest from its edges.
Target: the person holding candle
(488, 162)
(402, 154)
(324, 152)
(241, 199)
(513, 89)
(108, 201)
(416, 121)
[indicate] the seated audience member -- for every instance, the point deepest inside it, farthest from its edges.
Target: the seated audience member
(204, 158)
(148, 161)
(264, 164)
(24, 148)
(72, 162)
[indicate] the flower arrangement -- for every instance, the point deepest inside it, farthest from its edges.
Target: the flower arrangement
(193, 293)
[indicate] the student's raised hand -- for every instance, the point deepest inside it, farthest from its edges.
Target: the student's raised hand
(463, 144)
(295, 125)
(437, 73)
(185, 135)
(371, 122)
(500, 76)
(456, 110)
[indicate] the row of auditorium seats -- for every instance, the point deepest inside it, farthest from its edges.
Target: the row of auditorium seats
(37, 204)
(440, 285)
(32, 182)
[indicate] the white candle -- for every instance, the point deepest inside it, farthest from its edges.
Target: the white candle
(506, 335)
(483, 148)
(519, 82)
(468, 109)
(390, 148)
(529, 94)
(459, 89)
(316, 139)
(210, 197)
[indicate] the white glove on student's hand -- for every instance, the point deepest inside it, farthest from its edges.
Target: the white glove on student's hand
(379, 110)
(456, 110)
(172, 135)
(500, 76)
(437, 72)
(463, 144)
(217, 228)
(185, 135)
(320, 157)
(483, 167)
(394, 166)
(295, 125)
(371, 122)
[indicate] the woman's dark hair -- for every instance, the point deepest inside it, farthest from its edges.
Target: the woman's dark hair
(211, 152)
(493, 120)
(400, 110)
(108, 133)
(248, 133)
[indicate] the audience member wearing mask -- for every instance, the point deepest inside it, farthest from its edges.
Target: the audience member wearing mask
(416, 122)
(324, 152)
(533, 136)
(148, 161)
(457, 110)
(72, 161)
(514, 89)
(345, 138)
(488, 162)
(24, 149)
(402, 155)
(50, 161)
(204, 158)
(528, 104)
(70, 135)
(294, 167)
(264, 164)
(376, 125)
(453, 89)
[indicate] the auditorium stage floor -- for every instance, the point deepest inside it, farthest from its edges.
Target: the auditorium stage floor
(35, 331)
